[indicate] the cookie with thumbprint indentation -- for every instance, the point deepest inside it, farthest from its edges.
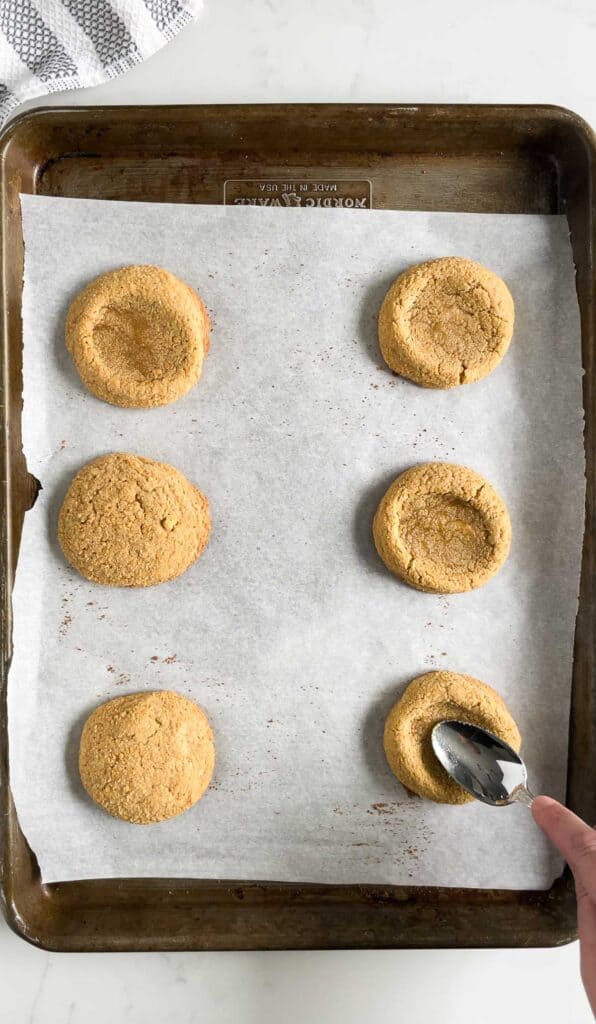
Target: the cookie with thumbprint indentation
(442, 528)
(146, 757)
(429, 699)
(138, 336)
(446, 322)
(127, 521)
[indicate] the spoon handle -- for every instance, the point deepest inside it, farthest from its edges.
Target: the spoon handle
(522, 795)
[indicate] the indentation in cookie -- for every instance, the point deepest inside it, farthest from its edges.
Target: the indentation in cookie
(442, 528)
(138, 336)
(446, 322)
(429, 699)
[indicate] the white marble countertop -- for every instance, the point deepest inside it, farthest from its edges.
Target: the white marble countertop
(515, 51)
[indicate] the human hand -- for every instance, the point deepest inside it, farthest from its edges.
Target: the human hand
(577, 842)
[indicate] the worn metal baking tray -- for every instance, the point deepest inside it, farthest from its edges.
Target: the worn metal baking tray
(468, 158)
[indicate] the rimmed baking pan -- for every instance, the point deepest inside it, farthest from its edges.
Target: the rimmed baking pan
(455, 158)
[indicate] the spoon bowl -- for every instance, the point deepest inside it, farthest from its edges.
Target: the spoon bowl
(481, 763)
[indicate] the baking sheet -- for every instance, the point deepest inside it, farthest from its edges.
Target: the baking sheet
(289, 631)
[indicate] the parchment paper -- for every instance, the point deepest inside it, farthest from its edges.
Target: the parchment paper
(289, 631)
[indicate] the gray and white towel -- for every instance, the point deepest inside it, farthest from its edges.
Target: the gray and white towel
(49, 45)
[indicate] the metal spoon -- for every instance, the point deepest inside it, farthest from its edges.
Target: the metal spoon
(482, 763)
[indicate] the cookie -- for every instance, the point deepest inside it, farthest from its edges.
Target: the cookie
(446, 322)
(146, 757)
(442, 528)
(138, 336)
(429, 699)
(127, 521)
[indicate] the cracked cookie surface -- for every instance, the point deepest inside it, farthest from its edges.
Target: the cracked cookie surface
(442, 528)
(429, 699)
(446, 322)
(127, 521)
(146, 757)
(138, 336)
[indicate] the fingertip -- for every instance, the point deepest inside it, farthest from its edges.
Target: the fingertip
(569, 833)
(542, 807)
(544, 802)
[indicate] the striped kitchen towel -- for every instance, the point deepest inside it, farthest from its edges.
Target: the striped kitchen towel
(49, 45)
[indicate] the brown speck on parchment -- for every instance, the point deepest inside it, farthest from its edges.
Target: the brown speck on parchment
(382, 808)
(64, 626)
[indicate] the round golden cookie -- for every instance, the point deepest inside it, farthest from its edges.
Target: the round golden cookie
(446, 322)
(442, 528)
(127, 521)
(138, 336)
(429, 699)
(146, 757)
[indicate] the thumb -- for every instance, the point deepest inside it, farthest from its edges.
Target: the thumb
(572, 837)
